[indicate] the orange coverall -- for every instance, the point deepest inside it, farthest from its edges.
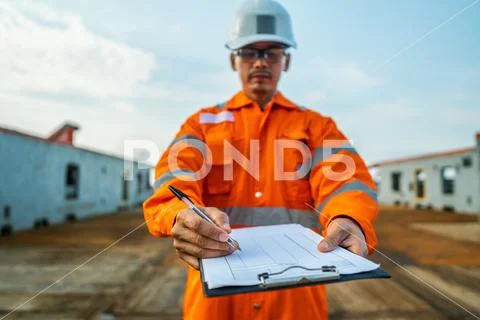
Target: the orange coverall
(252, 202)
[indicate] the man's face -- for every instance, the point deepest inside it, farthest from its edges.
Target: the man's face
(260, 75)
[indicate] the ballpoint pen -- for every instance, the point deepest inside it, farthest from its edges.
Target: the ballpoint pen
(183, 197)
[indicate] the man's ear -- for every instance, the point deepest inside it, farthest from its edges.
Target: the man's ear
(286, 63)
(233, 62)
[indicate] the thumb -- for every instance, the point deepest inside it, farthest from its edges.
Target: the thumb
(331, 241)
(325, 246)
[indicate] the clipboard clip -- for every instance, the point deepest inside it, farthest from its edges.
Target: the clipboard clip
(327, 273)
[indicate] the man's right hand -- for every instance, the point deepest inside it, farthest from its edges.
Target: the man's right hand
(195, 238)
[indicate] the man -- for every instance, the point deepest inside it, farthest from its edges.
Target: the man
(226, 158)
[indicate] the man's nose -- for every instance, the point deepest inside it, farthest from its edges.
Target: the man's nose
(260, 63)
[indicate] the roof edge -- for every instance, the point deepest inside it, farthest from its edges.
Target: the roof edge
(424, 156)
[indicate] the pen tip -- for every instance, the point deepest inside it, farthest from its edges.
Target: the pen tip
(236, 245)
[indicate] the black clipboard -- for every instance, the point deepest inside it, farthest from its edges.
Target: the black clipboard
(331, 276)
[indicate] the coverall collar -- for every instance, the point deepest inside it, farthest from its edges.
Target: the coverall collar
(240, 99)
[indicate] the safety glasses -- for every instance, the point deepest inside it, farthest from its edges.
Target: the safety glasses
(270, 55)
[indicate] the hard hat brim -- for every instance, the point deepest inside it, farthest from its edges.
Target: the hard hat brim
(245, 41)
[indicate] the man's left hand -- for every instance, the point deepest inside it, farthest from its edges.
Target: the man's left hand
(345, 233)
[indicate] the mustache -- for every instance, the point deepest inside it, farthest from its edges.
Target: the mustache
(262, 73)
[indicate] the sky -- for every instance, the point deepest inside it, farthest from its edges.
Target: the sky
(400, 78)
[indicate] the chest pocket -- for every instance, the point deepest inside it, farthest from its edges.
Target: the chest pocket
(296, 158)
(296, 154)
(216, 181)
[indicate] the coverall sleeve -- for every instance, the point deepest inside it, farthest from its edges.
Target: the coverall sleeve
(340, 182)
(161, 208)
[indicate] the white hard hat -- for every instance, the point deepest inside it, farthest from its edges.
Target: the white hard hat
(261, 20)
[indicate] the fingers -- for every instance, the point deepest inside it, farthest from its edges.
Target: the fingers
(197, 239)
(346, 233)
(194, 238)
(357, 248)
(192, 261)
(219, 217)
(198, 252)
(356, 244)
(198, 225)
(335, 236)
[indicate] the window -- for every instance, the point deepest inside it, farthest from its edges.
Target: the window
(420, 182)
(467, 162)
(6, 230)
(396, 180)
(6, 212)
(125, 187)
(70, 217)
(147, 180)
(139, 182)
(72, 181)
(448, 175)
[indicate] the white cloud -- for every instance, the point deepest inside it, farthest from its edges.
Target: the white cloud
(47, 51)
(53, 69)
(391, 111)
(102, 128)
(176, 92)
(401, 128)
(315, 98)
(123, 106)
(349, 75)
(467, 117)
(339, 76)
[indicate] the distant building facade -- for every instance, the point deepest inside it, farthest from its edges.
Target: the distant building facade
(445, 180)
(49, 180)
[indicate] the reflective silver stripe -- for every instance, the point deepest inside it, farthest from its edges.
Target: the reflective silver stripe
(351, 186)
(262, 216)
(166, 177)
(321, 153)
(191, 140)
(213, 118)
(189, 137)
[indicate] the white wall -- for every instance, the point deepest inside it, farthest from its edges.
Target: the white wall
(467, 183)
(33, 182)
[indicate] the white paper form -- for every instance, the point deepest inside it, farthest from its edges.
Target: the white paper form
(273, 249)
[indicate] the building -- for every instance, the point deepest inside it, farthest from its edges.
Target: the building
(49, 180)
(447, 180)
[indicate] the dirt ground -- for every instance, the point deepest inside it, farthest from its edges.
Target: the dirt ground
(109, 267)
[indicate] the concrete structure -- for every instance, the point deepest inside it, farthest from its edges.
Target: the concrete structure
(49, 180)
(445, 180)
